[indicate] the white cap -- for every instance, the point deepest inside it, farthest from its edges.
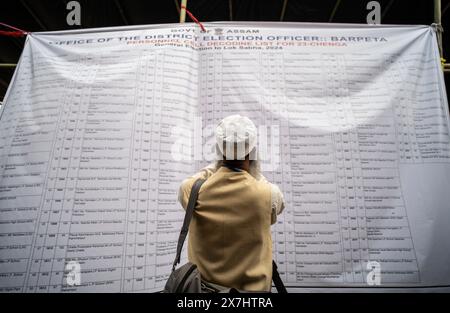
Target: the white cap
(237, 133)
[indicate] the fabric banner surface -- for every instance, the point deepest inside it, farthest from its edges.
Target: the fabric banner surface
(100, 126)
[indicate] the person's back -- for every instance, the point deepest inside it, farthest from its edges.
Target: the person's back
(229, 235)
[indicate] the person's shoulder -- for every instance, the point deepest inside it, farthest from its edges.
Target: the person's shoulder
(261, 184)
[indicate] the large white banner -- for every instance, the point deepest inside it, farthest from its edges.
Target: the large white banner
(100, 126)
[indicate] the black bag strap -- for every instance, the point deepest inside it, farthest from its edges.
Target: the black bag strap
(184, 231)
(187, 219)
(277, 279)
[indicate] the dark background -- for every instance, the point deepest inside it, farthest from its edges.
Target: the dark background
(40, 15)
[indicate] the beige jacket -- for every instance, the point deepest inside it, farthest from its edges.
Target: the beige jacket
(229, 235)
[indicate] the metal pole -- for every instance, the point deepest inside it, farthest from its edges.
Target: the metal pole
(385, 11)
(445, 9)
(183, 11)
(230, 8)
(177, 5)
(437, 11)
(437, 20)
(283, 10)
(33, 15)
(335, 8)
(121, 12)
(6, 65)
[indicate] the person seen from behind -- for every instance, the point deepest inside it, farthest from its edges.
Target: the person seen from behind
(230, 232)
